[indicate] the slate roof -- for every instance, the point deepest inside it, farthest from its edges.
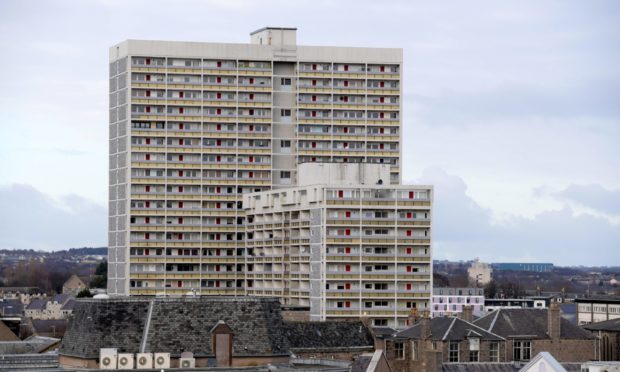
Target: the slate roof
(11, 307)
(449, 329)
(36, 305)
(53, 327)
(176, 325)
(383, 331)
(69, 305)
(527, 322)
(607, 325)
(61, 298)
(327, 335)
(30, 345)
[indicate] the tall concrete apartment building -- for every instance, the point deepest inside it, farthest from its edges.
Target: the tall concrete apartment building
(195, 126)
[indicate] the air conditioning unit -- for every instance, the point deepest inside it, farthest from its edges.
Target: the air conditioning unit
(125, 361)
(187, 363)
(144, 360)
(107, 358)
(161, 360)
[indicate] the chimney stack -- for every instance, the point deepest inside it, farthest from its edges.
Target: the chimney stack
(425, 325)
(553, 321)
(413, 318)
(468, 313)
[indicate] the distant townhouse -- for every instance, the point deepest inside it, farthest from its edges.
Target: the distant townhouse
(450, 301)
(11, 308)
(73, 285)
(58, 307)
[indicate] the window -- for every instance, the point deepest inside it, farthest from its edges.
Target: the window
(414, 350)
(453, 352)
(285, 112)
(473, 356)
(285, 174)
(494, 352)
(285, 143)
(285, 81)
(399, 349)
(521, 350)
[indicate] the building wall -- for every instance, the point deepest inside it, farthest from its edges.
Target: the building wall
(565, 351)
(193, 126)
(348, 251)
(594, 312)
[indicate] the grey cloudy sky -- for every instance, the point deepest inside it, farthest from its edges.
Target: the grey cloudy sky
(511, 109)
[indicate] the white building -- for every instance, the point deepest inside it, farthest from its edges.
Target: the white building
(479, 273)
(343, 242)
(194, 126)
(450, 301)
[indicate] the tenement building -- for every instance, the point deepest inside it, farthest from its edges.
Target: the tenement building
(342, 242)
(195, 126)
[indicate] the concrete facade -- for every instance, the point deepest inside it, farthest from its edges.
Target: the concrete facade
(194, 126)
(346, 250)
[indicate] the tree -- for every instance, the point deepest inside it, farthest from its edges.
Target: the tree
(490, 290)
(100, 278)
(84, 293)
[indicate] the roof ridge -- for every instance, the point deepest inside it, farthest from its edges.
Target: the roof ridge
(449, 328)
(494, 320)
(484, 330)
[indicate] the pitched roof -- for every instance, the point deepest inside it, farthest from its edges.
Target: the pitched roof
(531, 323)
(607, 325)
(61, 298)
(74, 281)
(174, 325)
(69, 305)
(55, 327)
(36, 305)
(6, 334)
(328, 334)
(548, 359)
(11, 307)
(27, 346)
(449, 329)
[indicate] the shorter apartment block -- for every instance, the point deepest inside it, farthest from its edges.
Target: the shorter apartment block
(597, 309)
(344, 242)
(450, 301)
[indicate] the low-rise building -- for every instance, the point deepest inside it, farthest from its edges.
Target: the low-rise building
(530, 331)
(450, 301)
(431, 343)
(597, 309)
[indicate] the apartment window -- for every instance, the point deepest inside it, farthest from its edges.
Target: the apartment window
(285, 112)
(453, 352)
(285, 81)
(399, 349)
(521, 350)
(494, 352)
(285, 174)
(285, 143)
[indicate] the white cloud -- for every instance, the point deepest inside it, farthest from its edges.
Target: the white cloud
(30, 219)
